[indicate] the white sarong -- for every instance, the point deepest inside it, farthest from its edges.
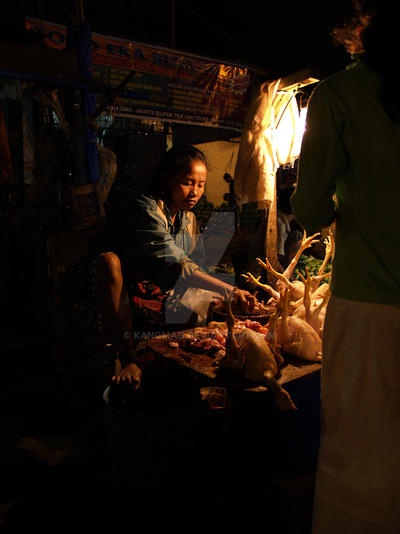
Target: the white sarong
(358, 476)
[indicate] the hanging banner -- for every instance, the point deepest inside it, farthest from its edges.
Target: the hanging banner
(167, 85)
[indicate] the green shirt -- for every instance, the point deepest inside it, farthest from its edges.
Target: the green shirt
(351, 149)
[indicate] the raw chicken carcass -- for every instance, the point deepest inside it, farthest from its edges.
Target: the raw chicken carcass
(296, 287)
(248, 353)
(300, 306)
(296, 336)
(312, 306)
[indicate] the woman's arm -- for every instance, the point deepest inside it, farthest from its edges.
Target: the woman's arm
(117, 317)
(203, 280)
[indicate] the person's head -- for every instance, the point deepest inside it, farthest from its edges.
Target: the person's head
(371, 32)
(368, 29)
(181, 177)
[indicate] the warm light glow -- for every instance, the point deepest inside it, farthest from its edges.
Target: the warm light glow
(289, 132)
(302, 121)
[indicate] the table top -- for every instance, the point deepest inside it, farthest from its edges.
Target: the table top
(203, 365)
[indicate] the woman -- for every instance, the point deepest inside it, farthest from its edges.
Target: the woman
(348, 173)
(153, 244)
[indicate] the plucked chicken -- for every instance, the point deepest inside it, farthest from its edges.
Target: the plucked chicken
(248, 352)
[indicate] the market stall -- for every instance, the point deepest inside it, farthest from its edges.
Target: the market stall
(271, 398)
(271, 138)
(285, 329)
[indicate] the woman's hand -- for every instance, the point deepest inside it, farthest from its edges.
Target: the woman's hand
(245, 300)
(131, 373)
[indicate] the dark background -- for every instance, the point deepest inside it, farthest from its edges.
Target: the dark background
(277, 37)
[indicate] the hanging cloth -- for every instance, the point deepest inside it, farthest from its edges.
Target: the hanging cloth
(270, 138)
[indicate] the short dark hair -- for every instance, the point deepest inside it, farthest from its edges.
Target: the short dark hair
(177, 159)
(372, 31)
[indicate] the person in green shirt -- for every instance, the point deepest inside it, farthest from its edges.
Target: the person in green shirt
(348, 174)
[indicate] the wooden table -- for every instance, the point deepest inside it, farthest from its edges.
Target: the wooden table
(164, 420)
(157, 350)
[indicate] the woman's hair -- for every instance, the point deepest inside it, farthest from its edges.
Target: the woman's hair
(372, 32)
(176, 160)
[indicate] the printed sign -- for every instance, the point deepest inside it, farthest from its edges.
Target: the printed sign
(167, 85)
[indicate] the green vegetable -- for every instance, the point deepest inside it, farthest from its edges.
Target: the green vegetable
(312, 264)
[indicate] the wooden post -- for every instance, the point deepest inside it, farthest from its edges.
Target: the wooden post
(271, 237)
(79, 12)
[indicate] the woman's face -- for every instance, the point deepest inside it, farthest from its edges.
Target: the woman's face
(187, 187)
